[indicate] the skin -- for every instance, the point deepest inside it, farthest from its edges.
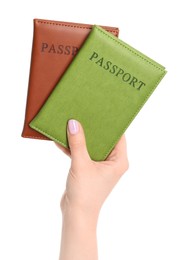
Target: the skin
(88, 185)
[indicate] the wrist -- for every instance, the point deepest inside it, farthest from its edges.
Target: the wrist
(77, 214)
(79, 239)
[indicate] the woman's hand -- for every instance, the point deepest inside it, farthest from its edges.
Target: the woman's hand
(89, 182)
(88, 185)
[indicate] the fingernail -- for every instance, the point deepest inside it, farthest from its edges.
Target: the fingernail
(73, 126)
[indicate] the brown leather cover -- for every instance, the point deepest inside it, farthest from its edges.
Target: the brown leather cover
(54, 46)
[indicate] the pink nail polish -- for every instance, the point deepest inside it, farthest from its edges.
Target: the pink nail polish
(73, 126)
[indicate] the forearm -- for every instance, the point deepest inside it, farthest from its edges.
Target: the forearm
(78, 240)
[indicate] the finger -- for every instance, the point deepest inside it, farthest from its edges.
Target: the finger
(121, 145)
(63, 149)
(120, 149)
(77, 142)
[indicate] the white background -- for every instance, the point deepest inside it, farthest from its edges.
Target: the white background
(146, 215)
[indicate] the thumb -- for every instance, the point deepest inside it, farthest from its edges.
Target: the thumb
(77, 142)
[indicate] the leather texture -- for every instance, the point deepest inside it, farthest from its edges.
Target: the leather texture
(104, 88)
(55, 44)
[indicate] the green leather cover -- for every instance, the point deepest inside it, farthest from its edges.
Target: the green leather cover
(104, 88)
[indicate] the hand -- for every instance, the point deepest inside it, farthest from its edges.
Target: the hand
(89, 182)
(88, 185)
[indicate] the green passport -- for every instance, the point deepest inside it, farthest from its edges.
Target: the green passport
(104, 88)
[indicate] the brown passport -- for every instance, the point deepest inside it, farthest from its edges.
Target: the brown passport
(55, 44)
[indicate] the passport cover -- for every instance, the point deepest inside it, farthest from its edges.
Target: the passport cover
(104, 88)
(55, 44)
